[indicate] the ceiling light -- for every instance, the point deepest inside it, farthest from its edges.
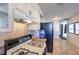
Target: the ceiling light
(60, 4)
(56, 18)
(28, 21)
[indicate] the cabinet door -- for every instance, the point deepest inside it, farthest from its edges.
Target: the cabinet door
(33, 27)
(6, 17)
(23, 7)
(36, 19)
(20, 6)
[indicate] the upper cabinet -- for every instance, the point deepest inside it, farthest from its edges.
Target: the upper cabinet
(21, 10)
(6, 17)
(23, 7)
(29, 14)
(25, 11)
(35, 25)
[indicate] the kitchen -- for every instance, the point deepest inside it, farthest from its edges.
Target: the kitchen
(22, 32)
(39, 28)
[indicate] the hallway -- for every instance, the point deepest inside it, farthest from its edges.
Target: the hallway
(63, 47)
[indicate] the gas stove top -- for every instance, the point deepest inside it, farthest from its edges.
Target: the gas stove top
(23, 51)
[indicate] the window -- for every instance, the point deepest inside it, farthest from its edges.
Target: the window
(71, 28)
(76, 28)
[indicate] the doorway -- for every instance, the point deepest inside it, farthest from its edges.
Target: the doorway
(63, 30)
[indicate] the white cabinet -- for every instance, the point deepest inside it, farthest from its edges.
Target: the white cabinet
(6, 17)
(36, 21)
(23, 7)
(27, 12)
(35, 25)
(21, 10)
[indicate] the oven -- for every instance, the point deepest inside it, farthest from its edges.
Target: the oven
(15, 42)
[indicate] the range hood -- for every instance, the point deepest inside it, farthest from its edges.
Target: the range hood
(20, 20)
(20, 16)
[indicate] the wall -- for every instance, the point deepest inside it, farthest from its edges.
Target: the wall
(74, 39)
(56, 29)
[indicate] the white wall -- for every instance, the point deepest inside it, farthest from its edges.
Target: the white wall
(74, 39)
(56, 29)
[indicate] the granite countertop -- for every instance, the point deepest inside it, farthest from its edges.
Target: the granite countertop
(39, 40)
(36, 49)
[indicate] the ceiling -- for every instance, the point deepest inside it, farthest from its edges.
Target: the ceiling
(64, 10)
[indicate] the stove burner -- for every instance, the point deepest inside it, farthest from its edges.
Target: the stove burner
(32, 53)
(23, 51)
(28, 53)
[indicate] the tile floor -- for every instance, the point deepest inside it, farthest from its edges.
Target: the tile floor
(63, 47)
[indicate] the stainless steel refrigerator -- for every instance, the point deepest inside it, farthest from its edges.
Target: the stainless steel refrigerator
(46, 31)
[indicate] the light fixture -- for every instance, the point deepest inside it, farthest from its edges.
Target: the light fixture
(60, 4)
(28, 21)
(56, 18)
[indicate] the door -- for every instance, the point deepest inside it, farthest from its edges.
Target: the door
(61, 30)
